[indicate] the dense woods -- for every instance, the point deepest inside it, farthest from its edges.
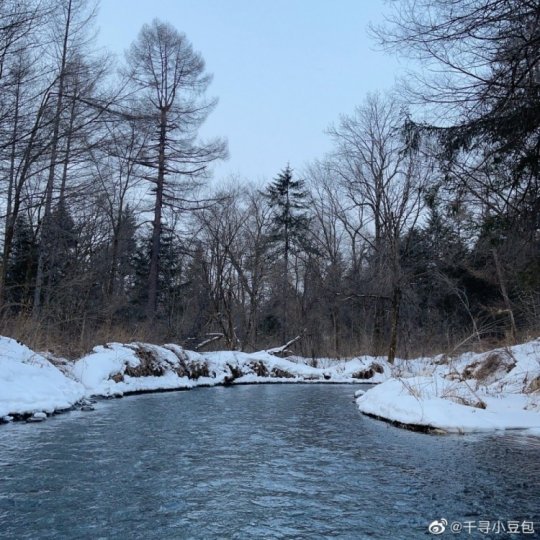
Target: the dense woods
(418, 233)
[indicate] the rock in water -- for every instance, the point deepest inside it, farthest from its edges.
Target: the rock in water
(87, 408)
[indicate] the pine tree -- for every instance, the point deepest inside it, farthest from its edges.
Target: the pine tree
(21, 269)
(196, 300)
(289, 229)
(123, 246)
(169, 277)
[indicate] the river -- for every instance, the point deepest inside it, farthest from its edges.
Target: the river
(261, 461)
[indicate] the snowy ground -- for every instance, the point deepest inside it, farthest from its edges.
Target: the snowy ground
(491, 391)
(29, 383)
(496, 390)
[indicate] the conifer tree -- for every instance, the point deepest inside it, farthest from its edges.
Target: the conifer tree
(22, 264)
(170, 78)
(289, 226)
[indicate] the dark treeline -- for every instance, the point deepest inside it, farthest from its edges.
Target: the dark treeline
(409, 237)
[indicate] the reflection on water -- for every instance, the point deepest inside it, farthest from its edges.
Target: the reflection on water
(276, 461)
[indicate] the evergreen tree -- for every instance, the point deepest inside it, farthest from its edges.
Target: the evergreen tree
(21, 269)
(169, 277)
(65, 239)
(122, 249)
(290, 223)
(289, 227)
(196, 298)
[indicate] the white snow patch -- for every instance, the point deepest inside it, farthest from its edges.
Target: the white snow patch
(446, 396)
(29, 383)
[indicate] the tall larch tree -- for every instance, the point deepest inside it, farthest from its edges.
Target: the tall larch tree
(170, 80)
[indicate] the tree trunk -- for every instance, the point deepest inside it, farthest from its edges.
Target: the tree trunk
(111, 286)
(379, 318)
(504, 293)
(285, 288)
(396, 304)
(153, 274)
(10, 224)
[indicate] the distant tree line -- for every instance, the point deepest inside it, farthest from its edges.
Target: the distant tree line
(409, 237)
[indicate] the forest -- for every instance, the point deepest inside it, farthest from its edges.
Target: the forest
(418, 233)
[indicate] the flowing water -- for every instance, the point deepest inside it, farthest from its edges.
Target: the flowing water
(267, 461)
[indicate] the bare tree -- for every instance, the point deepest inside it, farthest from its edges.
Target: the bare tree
(479, 81)
(169, 78)
(220, 226)
(385, 180)
(118, 174)
(21, 105)
(69, 29)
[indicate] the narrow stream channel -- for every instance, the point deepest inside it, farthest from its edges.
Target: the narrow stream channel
(267, 461)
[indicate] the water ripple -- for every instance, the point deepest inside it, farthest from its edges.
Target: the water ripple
(252, 462)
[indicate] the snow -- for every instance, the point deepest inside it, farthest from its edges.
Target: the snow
(471, 393)
(394, 400)
(496, 390)
(94, 370)
(29, 383)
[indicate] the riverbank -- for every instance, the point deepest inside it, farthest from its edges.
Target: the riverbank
(496, 390)
(33, 384)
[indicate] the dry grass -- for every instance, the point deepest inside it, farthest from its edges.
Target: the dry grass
(534, 386)
(486, 369)
(369, 372)
(72, 343)
(73, 339)
(149, 365)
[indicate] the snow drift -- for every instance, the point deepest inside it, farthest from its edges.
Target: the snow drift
(117, 368)
(29, 383)
(496, 390)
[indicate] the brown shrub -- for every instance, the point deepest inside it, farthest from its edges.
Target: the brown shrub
(259, 368)
(534, 385)
(486, 369)
(364, 374)
(369, 372)
(149, 365)
(196, 370)
(377, 368)
(281, 373)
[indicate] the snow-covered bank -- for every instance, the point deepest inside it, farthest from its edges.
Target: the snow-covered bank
(117, 369)
(30, 383)
(496, 390)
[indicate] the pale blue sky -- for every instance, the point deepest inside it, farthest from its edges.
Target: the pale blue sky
(283, 69)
